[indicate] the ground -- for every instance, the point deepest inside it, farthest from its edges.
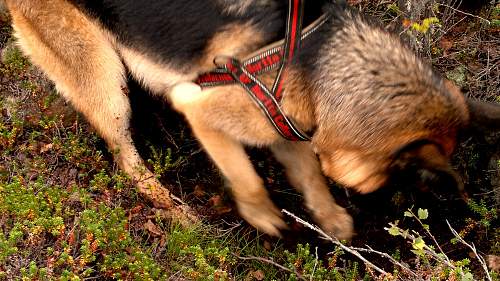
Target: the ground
(67, 212)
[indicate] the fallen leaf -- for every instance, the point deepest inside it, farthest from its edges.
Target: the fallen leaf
(163, 241)
(132, 213)
(494, 263)
(152, 228)
(223, 210)
(46, 147)
(136, 209)
(445, 44)
(215, 201)
(258, 274)
(198, 191)
(406, 23)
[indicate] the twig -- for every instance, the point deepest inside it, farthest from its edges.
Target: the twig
(465, 13)
(93, 277)
(271, 262)
(473, 248)
(430, 235)
(315, 264)
(335, 241)
(433, 253)
(369, 249)
(175, 276)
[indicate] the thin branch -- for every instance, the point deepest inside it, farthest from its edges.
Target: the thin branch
(430, 234)
(271, 262)
(315, 264)
(465, 13)
(335, 241)
(369, 249)
(473, 248)
(431, 252)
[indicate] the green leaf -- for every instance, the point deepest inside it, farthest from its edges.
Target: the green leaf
(418, 243)
(408, 214)
(420, 253)
(467, 277)
(423, 213)
(394, 230)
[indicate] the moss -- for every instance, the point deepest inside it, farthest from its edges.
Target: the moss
(13, 59)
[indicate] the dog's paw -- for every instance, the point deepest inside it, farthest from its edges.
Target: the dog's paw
(335, 221)
(262, 215)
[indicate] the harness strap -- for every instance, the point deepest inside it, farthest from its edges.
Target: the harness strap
(261, 61)
(292, 42)
(265, 99)
(272, 57)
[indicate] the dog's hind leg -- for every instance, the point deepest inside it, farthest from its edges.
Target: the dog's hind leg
(304, 173)
(80, 58)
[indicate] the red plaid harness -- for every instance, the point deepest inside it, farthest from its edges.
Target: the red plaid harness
(279, 54)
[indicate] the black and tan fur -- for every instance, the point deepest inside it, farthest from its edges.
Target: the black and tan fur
(374, 106)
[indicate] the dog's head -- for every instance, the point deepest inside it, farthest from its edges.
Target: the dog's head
(370, 160)
(380, 111)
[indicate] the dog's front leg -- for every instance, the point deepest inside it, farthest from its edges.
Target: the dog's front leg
(304, 173)
(251, 197)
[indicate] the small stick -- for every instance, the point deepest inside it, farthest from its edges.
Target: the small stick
(272, 263)
(473, 248)
(335, 241)
(394, 261)
(430, 235)
(465, 13)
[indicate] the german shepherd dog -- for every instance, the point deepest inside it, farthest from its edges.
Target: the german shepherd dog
(374, 108)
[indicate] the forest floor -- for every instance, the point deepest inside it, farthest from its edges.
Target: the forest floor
(67, 212)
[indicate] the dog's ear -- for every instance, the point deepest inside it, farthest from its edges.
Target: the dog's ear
(423, 162)
(483, 115)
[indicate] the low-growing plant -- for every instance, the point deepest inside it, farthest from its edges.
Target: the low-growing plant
(14, 60)
(164, 161)
(305, 265)
(432, 263)
(487, 214)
